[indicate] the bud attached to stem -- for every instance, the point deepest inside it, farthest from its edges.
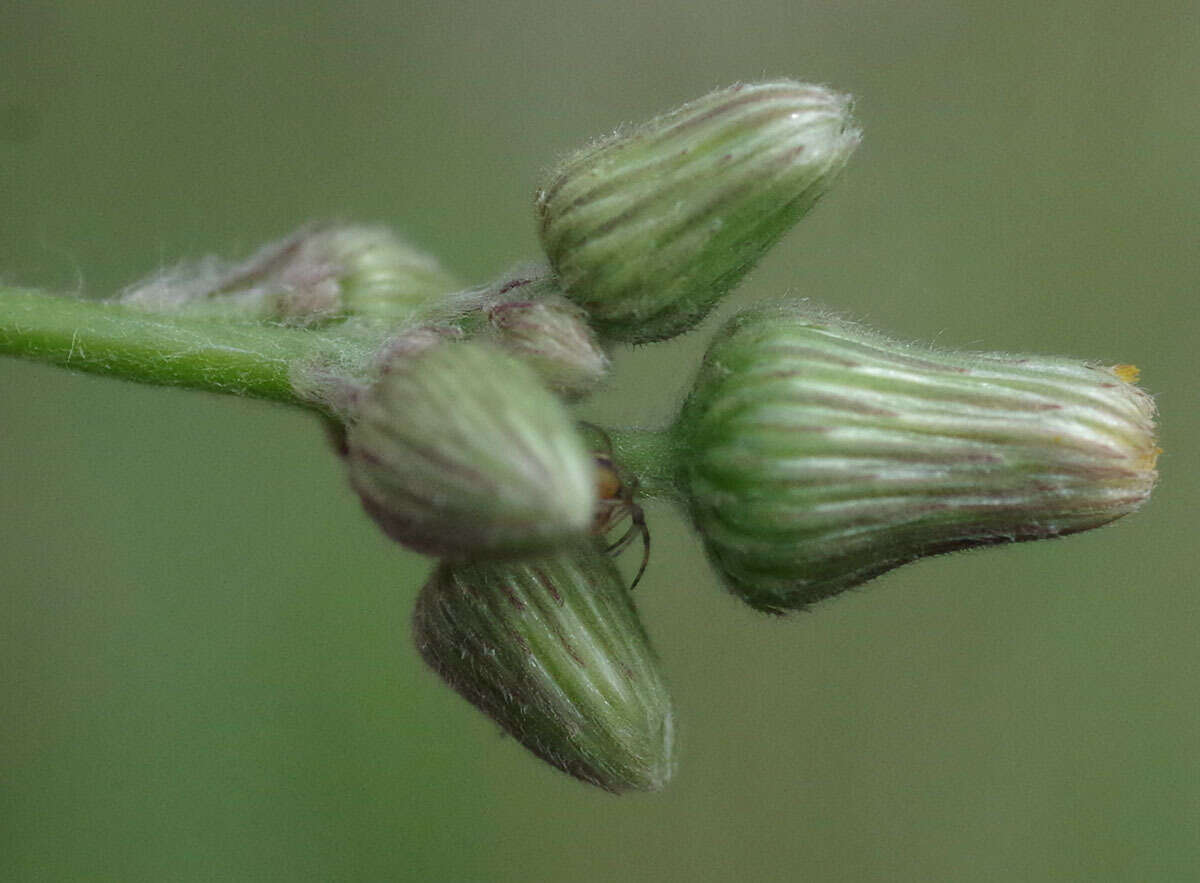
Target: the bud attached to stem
(552, 649)
(821, 455)
(649, 228)
(458, 450)
(534, 322)
(380, 275)
(317, 274)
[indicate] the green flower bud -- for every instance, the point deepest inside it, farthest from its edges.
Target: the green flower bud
(549, 333)
(649, 228)
(552, 650)
(821, 455)
(459, 450)
(316, 274)
(379, 274)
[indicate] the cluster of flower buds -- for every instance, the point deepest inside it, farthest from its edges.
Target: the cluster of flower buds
(812, 454)
(459, 450)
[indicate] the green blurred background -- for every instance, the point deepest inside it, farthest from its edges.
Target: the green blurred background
(205, 669)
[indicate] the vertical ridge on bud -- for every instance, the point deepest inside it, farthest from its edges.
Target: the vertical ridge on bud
(822, 454)
(552, 649)
(459, 450)
(649, 228)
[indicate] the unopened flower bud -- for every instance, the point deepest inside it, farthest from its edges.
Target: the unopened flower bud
(379, 274)
(820, 455)
(459, 450)
(553, 650)
(649, 228)
(533, 321)
(316, 274)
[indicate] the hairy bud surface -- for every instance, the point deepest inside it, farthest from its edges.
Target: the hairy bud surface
(821, 454)
(553, 650)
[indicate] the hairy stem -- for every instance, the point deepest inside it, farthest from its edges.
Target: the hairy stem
(653, 456)
(99, 337)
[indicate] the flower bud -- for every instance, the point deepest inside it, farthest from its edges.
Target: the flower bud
(379, 274)
(459, 450)
(549, 333)
(649, 228)
(821, 455)
(552, 649)
(316, 274)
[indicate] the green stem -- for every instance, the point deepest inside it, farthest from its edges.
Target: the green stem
(653, 456)
(99, 337)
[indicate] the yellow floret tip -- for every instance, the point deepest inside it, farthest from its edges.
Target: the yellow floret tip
(1127, 373)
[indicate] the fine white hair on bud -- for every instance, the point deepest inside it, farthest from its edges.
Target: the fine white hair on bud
(552, 649)
(317, 274)
(459, 450)
(529, 317)
(649, 228)
(820, 454)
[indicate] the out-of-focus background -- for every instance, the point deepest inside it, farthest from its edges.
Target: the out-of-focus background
(205, 666)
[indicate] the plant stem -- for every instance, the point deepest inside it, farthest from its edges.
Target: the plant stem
(99, 337)
(653, 456)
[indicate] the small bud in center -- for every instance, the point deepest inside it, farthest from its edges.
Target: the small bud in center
(531, 319)
(458, 450)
